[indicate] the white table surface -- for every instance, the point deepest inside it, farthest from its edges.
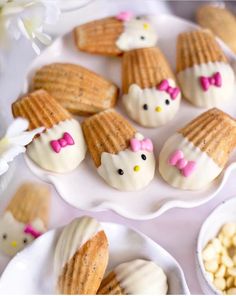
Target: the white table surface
(175, 230)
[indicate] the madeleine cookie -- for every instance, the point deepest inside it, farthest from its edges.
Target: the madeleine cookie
(81, 257)
(195, 155)
(135, 277)
(61, 147)
(123, 157)
(113, 35)
(25, 218)
(220, 21)
(76, 88)
(151, 95)
(205, 77)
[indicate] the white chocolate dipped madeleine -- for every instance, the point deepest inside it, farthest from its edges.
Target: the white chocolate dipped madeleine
(61, 147)
(203, 72)
(113, 35)
(195, 155)
(25, 217)
(123, 157)
(135, 277)
(150, 94)
(81, 257)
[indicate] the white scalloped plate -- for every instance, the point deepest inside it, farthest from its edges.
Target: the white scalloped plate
(31, 271)
(83, 188)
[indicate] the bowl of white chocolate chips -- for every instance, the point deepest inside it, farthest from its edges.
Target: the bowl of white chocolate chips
(216, 250)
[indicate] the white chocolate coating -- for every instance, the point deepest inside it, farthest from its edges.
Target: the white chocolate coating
(205, 172)
(73, 236)
(138, 33)
(161, 108)
(41, 152)
(13, 231)
(141, 277)
(214, 96)
(127, 160)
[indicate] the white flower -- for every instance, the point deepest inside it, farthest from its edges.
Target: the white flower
(14, 142)
(27, 17)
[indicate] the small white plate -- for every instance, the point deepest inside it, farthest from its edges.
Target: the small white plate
(223, 213)
(31, 271)
(84, 188)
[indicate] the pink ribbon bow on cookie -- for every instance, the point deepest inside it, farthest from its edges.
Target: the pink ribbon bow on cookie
(186, 167)
(145, 144)
(215, 80)
(30, 230)
(172, 91)
(66, 140)
(125, 16)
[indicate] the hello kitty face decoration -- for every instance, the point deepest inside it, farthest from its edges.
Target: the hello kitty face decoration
(138, 32)
(130, 169)
(15, 235)
(155, 106)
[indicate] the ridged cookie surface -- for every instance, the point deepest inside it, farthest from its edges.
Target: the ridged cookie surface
(76, 88)
(40, 109)
(146, 67)
(107, 131)
(197, 47)
(220, 21)
(99, 36)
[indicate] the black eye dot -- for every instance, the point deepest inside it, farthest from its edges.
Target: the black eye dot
(4, 236)
(145, 107)
(144, 157)
(120, 172)
(138, 18)
(142, 37)
(25, 240)
(167, 102)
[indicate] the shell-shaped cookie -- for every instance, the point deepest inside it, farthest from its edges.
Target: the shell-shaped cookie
(25, 217)
(203, 72)
(76, 88)
(135, 277)
(61, 147)
(81, 257)
(124, 158)
(194, 156)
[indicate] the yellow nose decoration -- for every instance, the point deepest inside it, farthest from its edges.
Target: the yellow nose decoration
(136, 168)
(14, 244)
(158, 109)
(146, 26)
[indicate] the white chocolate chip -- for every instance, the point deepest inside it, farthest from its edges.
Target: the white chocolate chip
(229, 229)
(229, 282)
(211, 265)
(220, 283)
(226, 241)
(227, 261)
(221, 271)
(217, 245)
(231, 291)
(232, 271)
(209, 253)
(210, 276)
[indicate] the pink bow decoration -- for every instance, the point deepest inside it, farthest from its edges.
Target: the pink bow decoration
(66, 140)
(137, 145)
(172, 91)
(30, 230)
(186, 167)
(125, 16)
(215, 80)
